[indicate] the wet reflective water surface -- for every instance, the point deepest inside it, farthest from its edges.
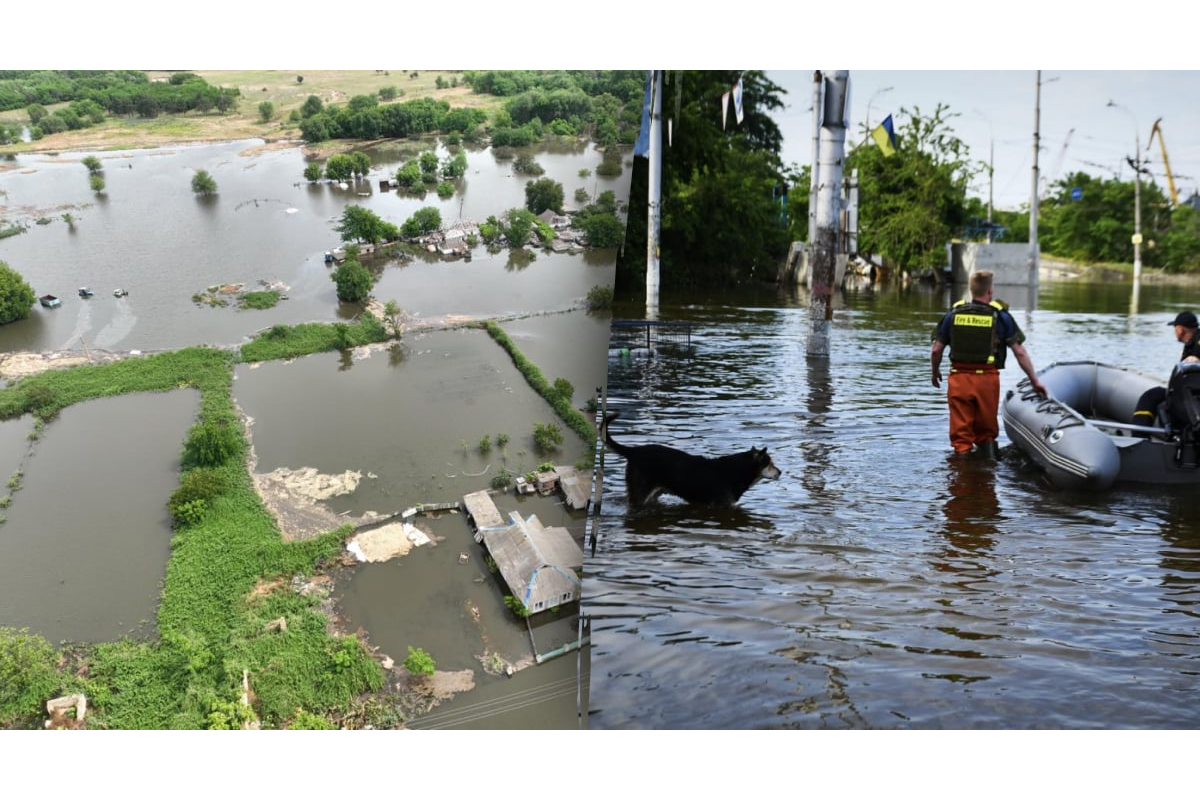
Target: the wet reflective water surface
(880, 583)
(86, 538)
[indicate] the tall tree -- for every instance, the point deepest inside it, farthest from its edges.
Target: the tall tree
(912, 202)
(542, 194)
(720, 218)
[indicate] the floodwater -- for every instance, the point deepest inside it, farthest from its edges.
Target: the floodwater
(84, 549)
(149, 234)
(878, 583)
(409, 416)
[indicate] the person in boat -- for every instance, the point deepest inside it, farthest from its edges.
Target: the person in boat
(979, 333)
(1187, 333)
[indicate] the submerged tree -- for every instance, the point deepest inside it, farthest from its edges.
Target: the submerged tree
(203, 183)
(16, 296)
(354, 281)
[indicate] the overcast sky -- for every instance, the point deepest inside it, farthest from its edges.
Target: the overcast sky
(1079, 132)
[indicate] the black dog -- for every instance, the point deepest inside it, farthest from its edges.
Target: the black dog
(654, 469)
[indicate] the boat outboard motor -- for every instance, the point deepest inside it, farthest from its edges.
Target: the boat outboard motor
(1183, 411)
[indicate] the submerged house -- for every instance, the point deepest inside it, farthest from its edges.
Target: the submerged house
(540, 565)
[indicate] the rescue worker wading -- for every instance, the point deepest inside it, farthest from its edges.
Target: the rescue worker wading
(979, 333)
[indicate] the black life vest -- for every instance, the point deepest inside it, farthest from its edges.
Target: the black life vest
(973, 337)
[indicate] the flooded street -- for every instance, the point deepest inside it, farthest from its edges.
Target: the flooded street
(878, 583)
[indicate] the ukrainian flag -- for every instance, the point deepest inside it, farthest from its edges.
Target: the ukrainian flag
(885, 136)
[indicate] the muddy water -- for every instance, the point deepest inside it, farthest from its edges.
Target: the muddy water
(87, 537)
(879, 583)
(401, 415)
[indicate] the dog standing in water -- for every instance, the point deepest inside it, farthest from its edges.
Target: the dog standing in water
(654, 469)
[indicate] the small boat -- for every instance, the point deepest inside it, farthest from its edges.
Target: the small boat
(120, 292)
(85, 292)
(1081, 433)
(50, 301)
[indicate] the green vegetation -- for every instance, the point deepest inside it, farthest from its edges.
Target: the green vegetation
(542, 194)
(260, 300)
(93, 164)
(16, 296)
(502, 480)
(363, 118)
(88, 97)
(211, 625)
(364, 225)
(354, 281)
(419, 662)
(720, 223)
(533, 376)
(97, 183)
(266, 110)
(292, 341)
(203, 183)
(600, 298)
(28, 677)
(485, 444)
(516, 606)
(424, 220)
(547, 436)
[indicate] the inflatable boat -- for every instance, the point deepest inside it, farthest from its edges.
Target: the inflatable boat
(1082, 433)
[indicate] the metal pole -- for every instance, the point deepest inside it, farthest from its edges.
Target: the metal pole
(1034, 249)
(833, 147)
(815, 172)
(654, 211)
(1137, 205)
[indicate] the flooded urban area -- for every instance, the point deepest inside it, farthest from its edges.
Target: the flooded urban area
(362, 436)
(880, 583)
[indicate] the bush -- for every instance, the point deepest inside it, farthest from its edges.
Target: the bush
(502, 480)
(210, 444)
(547, 436)
(308, 721)
(260, 300)
(354, 281)
(564, 389)
(485, 444)
(516, 606)
(28, 677)
(600, 298)
(189, 502)
(419, 662)
(16, 296)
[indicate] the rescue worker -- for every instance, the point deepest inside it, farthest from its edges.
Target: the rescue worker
(979, 333)
(1187, 334)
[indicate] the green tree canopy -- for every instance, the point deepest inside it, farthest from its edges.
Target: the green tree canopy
(354, 281)
(16, 296)
(363, 225)
(720, 218)
(424, 220)
(542, 194)
(203, 183)
(518, 224)
(912, 202)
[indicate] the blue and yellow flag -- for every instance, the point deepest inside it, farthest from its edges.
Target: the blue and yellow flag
(885, 136)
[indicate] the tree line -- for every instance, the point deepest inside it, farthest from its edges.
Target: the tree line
(92, 95)
(730, 207)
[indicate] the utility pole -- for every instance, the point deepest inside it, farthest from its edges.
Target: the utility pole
(1034, 249)
(654, 204)
(815, 172)
(825, 242)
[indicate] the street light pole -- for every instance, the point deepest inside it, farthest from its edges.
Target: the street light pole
(1137, 191)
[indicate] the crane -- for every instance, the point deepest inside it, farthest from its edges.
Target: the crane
(1156, 128)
